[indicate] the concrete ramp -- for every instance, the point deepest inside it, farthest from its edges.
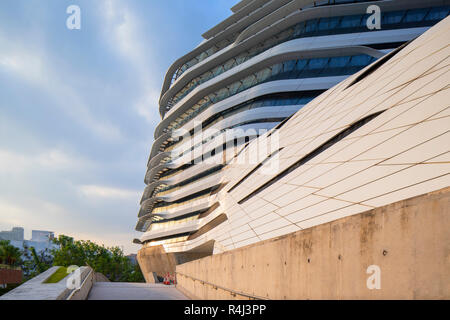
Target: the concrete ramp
(134, 291)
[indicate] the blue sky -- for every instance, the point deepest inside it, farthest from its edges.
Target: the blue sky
(78, 108)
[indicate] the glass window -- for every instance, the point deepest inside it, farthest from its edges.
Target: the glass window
(351, 21)
(318, 63)
(415, 15)
(323, 24)
(203, 55)
(328, 23)
(229, 64)
(247, 82)
(234, 87)
(304, 100)
(360, 60)
(263, 74)
(298, 29)
(437, 13)
(218, 71)
(266, 102)
(212, 97)
(276, 69)
(301, 64)
(334, 22)
(338, 62)
(257, 104)
(392, 17)
(289, 65)
(240, 58)
(311, 25)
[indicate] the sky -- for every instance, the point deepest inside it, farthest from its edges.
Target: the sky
(78, 108)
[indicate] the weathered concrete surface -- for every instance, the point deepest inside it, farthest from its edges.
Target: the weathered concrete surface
(153, 260)
(36, 289)
(409, 240)
(134, 291)
(100, 277)
(87, 281)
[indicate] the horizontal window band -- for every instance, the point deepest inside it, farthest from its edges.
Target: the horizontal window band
(377, 64)
(392, 20)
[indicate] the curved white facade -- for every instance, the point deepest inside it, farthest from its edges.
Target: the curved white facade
(270, 61)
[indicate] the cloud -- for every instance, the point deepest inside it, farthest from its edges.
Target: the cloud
(122, 28)
(24, 65)
(95, 191)
(30, 62)
(53, 159)
(144, 107)
(31, 212)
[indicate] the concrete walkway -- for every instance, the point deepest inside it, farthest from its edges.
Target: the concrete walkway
(134, 291)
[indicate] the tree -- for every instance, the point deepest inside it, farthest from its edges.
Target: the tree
(9, 254)
(35, 262)
(109, 261)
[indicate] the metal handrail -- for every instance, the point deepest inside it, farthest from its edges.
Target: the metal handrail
(233, 292)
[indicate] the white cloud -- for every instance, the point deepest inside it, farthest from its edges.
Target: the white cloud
(32, 211)
(54, 159)
(30, 62)
(96, 191)
(24, 65)
(122, 28)
(147, 107)
(124, 25)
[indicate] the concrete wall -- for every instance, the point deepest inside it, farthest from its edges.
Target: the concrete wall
(409, 240)
(154, 261)
(37, 289)
(88, 280)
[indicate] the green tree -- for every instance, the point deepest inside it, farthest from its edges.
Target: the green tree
(109, 261)
(35, 262)
(9, 254)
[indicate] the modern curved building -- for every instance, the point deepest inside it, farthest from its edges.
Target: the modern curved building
(250, 74)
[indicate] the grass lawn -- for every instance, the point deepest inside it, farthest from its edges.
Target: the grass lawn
(59, 274)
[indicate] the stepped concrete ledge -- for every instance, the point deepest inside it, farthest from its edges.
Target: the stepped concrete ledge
(36, 289)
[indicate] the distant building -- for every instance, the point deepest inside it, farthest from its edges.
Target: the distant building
(41, 240)
(16, 234)
(41, 236)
